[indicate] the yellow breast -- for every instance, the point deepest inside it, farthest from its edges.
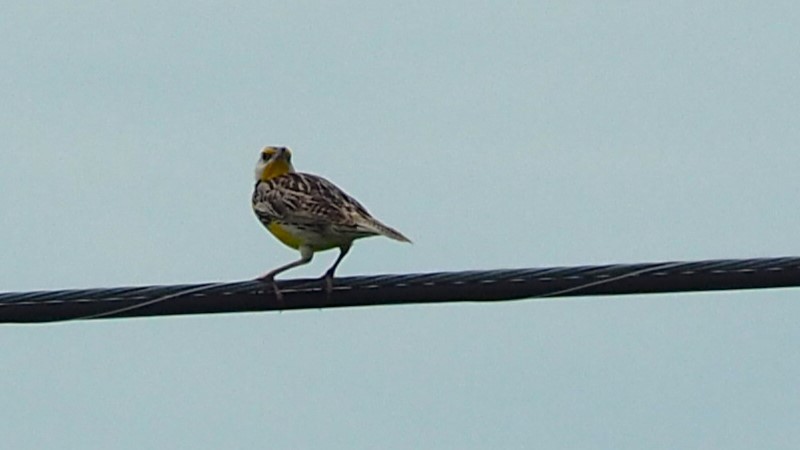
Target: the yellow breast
(284, 235)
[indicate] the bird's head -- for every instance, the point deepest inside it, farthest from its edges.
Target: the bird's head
(274, 161)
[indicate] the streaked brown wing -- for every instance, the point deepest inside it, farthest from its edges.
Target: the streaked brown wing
(305, 198)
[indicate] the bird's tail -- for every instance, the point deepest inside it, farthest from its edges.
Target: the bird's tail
(375, 226)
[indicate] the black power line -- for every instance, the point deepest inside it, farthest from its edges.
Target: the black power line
(470, 286)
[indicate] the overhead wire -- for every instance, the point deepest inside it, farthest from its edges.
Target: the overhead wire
(402, 289)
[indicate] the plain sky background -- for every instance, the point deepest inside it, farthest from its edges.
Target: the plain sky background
(494, 134)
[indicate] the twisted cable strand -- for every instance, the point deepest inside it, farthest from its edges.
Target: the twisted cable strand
(475, 285)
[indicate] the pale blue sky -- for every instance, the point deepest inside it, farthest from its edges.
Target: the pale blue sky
(493, 134)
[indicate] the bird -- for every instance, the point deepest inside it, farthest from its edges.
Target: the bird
(309, 213)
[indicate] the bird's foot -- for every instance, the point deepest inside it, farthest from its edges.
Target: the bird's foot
(268, 278)
(328, 280)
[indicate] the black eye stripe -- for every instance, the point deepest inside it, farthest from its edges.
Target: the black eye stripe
(280, 152)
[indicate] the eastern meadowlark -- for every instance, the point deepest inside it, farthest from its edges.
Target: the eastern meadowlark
(309, 213)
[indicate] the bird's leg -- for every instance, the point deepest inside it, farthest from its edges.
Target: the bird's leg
(328, 277)
(305, 257)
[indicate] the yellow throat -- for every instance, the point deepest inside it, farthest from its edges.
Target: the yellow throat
(273, 162)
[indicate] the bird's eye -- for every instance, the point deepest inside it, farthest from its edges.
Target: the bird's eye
(264, 157)
(288, 158)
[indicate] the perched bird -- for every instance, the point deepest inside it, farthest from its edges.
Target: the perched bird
(309, 213)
